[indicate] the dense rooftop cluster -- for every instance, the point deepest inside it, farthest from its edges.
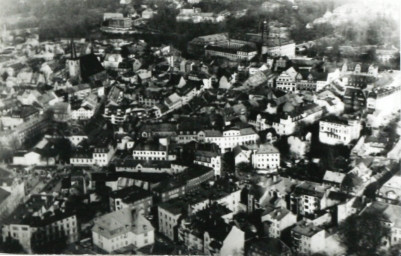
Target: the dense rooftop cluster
(239, 146)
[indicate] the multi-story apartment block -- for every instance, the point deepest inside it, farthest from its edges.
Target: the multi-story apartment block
(210, 159)
(150, 98)
(286, 123)
(354, 99)
(41, 222)
(266, 157)
(122, 228)
(169, 214)
(287, 80)
(152, 151)
(245, 52)
(131, 197)
(308, 197)
(307, 238)
(359, 69)
(99, 154)
(276, 220)
(229, 138)
(335, 130)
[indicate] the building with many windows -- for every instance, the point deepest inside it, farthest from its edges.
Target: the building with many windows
(308, 197)
(276, 220)
(231, 52)
(266, 157)
(41, 222)
(335, 130)
(287, 80)
(307, 238)
(131, 197)
(152, 151)
(210, 159)
(229, 138)
(122, 228)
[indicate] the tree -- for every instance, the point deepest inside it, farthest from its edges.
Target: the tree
(363, 234)
(228, 163)
(350, 182)
(244, 167)
(11, 246)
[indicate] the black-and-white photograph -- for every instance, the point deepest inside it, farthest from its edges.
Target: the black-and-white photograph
(200, 127)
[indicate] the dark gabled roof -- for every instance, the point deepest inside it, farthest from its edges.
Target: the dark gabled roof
(130, 194)
(335, 119)
(168, 185)
(90, 66)
(148, 177)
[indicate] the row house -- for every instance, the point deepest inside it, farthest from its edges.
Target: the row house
(196, 16)
(143, 166)
(311, 81)
(150, 98)
(100, 154)
(43, 220)
(172, 212)
(359, 69)
(229, 138)
(116, 114)
(153, 151)
(287, 80)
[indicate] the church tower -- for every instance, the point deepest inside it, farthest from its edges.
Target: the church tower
(73, 63)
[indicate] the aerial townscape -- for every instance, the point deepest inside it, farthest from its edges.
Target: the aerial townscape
(200, 127)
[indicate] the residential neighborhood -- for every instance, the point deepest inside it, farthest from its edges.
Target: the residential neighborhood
(200, 127)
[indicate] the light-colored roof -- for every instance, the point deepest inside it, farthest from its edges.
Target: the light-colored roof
(336, 177)
(247, 131)
(213, 133)
(120, 222)
(267, 148)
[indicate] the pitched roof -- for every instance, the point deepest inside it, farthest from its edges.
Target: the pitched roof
(121, 222)
(336, 177)
(90, 66)
(267, 148)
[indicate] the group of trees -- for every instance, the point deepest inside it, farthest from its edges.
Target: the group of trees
(363, 234)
